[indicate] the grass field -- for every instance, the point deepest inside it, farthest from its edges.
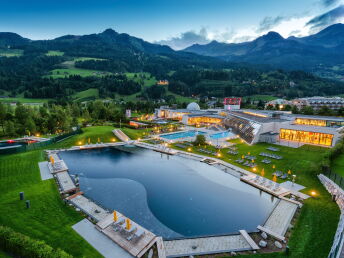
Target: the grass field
(11, 52)
(61, 73)
(89, 94)
(260, 97)
(54, 53)
(147, 82)
(313, 233)
(80, 59)
(23, 100)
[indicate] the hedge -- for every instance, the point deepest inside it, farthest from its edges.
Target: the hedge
(24, 246)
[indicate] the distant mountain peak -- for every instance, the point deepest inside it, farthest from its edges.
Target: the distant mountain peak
(272, 35)
(110, 32)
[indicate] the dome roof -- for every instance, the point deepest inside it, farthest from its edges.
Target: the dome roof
(193, 106)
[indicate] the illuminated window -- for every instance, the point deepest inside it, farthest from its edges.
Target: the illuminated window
(306, 137)
(316, 122)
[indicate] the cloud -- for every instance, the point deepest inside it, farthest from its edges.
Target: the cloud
(319, 22)
(269, 22)
(186, 39)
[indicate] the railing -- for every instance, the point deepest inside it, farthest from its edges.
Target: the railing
(38, 145)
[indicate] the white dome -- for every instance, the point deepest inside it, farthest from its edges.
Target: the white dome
(193, 106)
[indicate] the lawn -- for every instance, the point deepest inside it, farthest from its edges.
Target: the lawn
(11, 52)
(54, 53)
(134, 134)
(89, 94)
(338, 165)
(48, 219)
(313, 233)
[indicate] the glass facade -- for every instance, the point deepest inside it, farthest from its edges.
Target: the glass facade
(203, 120)
(315, 122)
(306, 137)
(318, 122)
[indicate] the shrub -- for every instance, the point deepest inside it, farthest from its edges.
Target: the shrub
(25, 246)
(200, 140)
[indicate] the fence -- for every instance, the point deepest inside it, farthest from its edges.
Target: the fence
(338, 179)
(38, 145)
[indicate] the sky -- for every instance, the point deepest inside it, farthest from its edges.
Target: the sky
(177, 23)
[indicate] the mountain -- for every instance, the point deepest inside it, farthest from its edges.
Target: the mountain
(331, 36)
(10, 39)
(323, 48)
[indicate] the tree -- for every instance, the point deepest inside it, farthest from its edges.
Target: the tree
(200, 140)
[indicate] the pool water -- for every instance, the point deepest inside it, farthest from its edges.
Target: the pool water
(221, 135)
(171, 196)
(174, 136)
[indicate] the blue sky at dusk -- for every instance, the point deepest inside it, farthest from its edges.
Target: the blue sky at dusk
(174, 22)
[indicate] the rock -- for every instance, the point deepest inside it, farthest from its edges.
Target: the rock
(264, 235)
(278, 245)
(150, 254)
(233, 253)
(262, 243)
(194, 247)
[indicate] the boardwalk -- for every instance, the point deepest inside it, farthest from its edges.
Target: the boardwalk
(120, 135)
(206, 245)
(66, 183)
(136, 247)
(279, 220)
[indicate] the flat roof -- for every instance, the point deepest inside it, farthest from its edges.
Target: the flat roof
(256, 118)
(309, 128)
(327, 118)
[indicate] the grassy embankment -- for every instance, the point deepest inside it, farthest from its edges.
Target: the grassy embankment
(48, 219)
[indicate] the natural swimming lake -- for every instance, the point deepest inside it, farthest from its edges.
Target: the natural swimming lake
(171, 196)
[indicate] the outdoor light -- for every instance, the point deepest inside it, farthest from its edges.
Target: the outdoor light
(79, 142)
(189, 149)
(254, 169)
(37, 135)
(313, 193)
(113, 139)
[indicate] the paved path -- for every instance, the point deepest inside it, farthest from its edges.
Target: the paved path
(99, 241)
(89, 207)
(279, 220)
(206, 245)
(44, 170)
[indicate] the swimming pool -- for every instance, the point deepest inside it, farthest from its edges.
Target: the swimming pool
(171, 196)
(222, 135)
(179, 135)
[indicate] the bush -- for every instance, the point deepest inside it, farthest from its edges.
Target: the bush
(25, 246)
(200, 140)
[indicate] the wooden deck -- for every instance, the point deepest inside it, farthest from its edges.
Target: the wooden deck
(136, 247)
(250, 180)
(66, 183)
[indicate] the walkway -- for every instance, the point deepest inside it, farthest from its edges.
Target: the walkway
(120, 135)
(279, 220)
(99, 241)
(44, 170)
(206, 245)
(66, 183)
(87, 206)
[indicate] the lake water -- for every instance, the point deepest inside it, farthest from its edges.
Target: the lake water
(171, 196)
